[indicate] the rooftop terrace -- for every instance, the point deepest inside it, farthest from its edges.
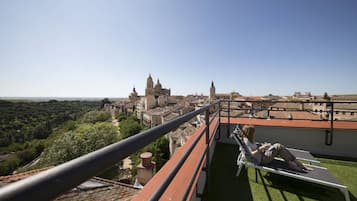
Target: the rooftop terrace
(188, 175)
(225, 185)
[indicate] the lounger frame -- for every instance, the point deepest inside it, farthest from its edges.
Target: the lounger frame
(242, 161)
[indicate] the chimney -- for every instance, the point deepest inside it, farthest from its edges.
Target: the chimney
(302, 106)
(146, 169)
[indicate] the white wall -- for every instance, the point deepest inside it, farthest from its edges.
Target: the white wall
(312, 139)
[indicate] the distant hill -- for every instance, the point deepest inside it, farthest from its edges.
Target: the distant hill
(44, 99)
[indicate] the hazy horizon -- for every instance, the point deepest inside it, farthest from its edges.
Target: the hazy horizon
(98, 98)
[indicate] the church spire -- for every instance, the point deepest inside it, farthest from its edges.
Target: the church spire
(134, 89)
(149, 82)
(149, 86)
(212, 94)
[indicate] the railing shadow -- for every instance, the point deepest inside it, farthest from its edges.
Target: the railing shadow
(225, 185)
(303, 189)
(265, 186)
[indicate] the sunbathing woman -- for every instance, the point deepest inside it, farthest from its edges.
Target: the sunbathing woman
(266, 152)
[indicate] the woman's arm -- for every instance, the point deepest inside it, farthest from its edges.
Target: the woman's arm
(260, 149)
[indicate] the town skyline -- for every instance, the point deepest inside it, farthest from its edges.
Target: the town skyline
(256, 48)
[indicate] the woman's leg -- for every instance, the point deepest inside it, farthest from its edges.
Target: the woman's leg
(269, 155)
(290, 158)
(284, 153)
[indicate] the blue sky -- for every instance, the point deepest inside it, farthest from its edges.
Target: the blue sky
(103, 48)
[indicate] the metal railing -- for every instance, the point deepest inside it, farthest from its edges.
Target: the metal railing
(249, 109)
(205, 155)
(58, 180)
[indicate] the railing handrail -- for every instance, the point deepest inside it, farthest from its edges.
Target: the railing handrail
(58, 180)
(289, 101)
(330, 108)
(55, 181)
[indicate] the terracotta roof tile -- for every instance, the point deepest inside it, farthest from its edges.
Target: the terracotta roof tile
(288, 114)
(16, 177)
(112, 191)
(291, 123)
(104, 190)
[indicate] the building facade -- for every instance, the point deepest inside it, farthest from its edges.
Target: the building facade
(155, 96)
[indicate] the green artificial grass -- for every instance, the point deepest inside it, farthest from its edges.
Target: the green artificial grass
(224, 185)
(344, 171)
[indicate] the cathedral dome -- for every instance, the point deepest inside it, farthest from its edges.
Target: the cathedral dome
(158, 85)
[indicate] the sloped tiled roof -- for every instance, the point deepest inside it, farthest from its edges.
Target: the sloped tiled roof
(16, 177)
(345, 106)
(287, 115)
(296, 106)
(94, 189)
(171, 116)
(344, 97)
(110, 190)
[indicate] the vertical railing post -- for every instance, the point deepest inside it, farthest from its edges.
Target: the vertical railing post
(331, 124)
(219, 118)
(329, 133)
(207, 150)
(229, 118)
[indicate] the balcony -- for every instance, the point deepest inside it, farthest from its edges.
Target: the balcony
(188, 175)
(226, 186)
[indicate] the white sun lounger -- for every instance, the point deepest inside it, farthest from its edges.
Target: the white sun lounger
(318, 175)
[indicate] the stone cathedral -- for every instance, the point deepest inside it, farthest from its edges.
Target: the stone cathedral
(155, 96)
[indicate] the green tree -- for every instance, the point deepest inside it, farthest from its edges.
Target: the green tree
(120, 117)
(24, 121)
(129, 127)
(326, 96)
(26, 155)
(5, 138)
(9, 165)
(96, 116)
(105, 101)
(85, 139)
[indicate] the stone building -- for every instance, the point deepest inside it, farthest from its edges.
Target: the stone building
(302, 96)
(155, 95)
(342, 111)
(134, 97)
(223, 96)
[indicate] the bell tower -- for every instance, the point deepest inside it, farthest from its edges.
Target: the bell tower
(212, 94)
(149, 86)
